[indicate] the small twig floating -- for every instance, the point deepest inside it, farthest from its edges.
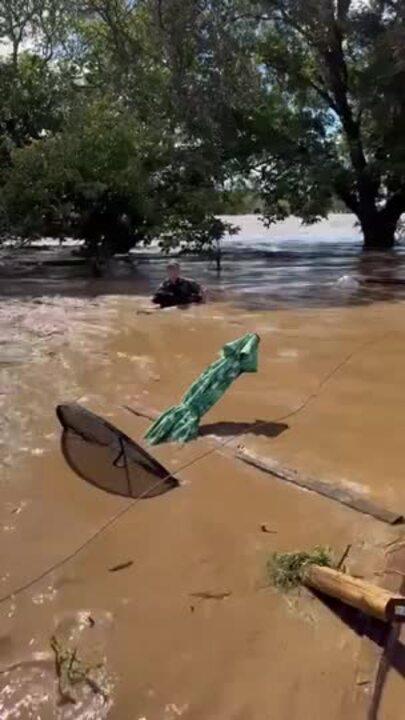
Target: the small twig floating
(122, 566)
(210, 595)
(340, 564)
(265, 529)
(138, 411)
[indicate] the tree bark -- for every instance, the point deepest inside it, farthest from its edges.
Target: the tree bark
(380, 226)
(378, 232)
(370, 599)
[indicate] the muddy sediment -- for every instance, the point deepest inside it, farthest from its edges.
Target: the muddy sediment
(187, 626)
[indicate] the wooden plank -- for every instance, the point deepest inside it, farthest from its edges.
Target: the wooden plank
(341, 494)
(371, 599)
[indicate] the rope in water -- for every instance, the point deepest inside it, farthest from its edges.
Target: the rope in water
(114, 519)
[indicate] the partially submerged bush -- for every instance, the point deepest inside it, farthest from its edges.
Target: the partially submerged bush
(286, 570)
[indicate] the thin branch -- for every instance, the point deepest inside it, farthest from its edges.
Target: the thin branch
(343, 7)
(323, 93)
(258, 17)
(349, 198)
(160, 15)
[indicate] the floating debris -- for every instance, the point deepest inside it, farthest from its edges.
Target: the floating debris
(122, 566)
(73, 672)
(265, 529)
(286, 570)
(210, 595)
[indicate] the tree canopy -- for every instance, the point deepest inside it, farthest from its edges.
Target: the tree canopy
(337, 66)
(124, 120)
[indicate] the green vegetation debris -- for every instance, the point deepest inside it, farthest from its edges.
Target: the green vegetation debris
(72, 672)
(285, 570)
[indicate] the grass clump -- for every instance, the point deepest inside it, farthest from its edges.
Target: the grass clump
(285, 570)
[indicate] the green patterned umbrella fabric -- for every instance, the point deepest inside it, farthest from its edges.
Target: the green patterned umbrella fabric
(181, 423)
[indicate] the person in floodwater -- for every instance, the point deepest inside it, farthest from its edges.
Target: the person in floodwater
(177, 290)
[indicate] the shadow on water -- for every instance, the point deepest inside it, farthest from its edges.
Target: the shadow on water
(229, 429)
(385, 637)
(361, 624)
(292, 273)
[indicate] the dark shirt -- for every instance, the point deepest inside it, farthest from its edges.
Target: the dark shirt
(180, 292)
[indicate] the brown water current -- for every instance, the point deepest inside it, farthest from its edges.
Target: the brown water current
(187, 625)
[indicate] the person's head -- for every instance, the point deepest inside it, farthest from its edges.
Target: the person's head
(173, 270)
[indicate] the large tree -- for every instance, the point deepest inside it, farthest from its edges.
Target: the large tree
(337, 68)
(111, 156)
(304, 100)
(300, 101)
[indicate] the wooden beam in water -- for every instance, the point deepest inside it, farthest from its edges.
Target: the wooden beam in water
(338, 492)
(370, 599)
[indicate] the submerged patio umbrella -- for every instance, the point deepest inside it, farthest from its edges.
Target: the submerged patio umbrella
(181, 423)
(107, 458)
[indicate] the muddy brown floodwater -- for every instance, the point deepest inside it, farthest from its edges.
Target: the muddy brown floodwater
(187, 625)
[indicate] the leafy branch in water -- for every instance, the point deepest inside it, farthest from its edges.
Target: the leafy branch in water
(286, 570)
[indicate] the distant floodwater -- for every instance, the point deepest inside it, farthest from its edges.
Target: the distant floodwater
(254, 233)
(339, 227)
(287, 264)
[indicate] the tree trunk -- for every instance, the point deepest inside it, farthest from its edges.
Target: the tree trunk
(378, 231)
(379, 226)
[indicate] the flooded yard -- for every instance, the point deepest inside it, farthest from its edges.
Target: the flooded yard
(187, 626)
